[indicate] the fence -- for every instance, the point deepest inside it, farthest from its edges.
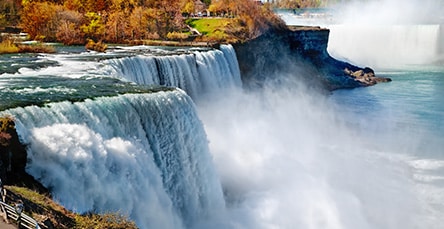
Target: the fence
(16, 214)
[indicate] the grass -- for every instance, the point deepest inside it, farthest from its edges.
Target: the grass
(207, 26)
(41, 206)
(104, 221)
(8, 47)
(212, 29)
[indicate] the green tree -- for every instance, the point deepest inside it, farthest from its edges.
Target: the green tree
(94, 28)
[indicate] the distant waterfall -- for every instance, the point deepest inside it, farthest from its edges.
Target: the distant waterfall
(387, 45)
(197, 72)
(142, 154)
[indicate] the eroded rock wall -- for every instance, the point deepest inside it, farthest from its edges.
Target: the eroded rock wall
(302, 53)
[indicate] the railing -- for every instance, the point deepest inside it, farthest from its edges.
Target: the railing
(16, 214)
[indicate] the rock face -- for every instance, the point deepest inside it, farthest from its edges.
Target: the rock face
(301, 52)
(13, 158)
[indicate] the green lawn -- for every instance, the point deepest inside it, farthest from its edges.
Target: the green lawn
(209, 26)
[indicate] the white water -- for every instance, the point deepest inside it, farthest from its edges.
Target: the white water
(384, 46)
(377, 167)
(197, 73)
(382, 33)
(143, 155)
(289, 158)
(286, 157)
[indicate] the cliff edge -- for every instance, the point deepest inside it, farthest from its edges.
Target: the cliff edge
(300, 51)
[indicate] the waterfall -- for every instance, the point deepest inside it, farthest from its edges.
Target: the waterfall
(145, 155)
(196, 72)
(386, 45)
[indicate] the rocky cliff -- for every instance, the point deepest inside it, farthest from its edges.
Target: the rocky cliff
(302, 53)
(13, 158)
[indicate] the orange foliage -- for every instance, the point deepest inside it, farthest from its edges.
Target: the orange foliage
(118, 21)
(39, 20)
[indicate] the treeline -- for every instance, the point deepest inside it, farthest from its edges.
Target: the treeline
(125, 21)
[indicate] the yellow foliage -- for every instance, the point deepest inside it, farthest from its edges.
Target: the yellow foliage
(96, 46)
(177, 36)
(8, 46)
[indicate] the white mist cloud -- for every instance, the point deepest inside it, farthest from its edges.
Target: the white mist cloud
(388, 33)
(390, 12)
(288, 160)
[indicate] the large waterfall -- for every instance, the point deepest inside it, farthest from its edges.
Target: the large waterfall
(283, 156)
(145, 155)
(382, 46)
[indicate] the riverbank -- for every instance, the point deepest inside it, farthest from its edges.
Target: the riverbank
(8, 46)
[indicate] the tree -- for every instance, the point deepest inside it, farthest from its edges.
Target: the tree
(219, 7)
(138, 24)
(188, 7)
(69, 31)
(9, 12)
(207, 2)
(94, 28)
(74, 5)
(115, 27)
(168, 17)
(39, 20)
(3, 21)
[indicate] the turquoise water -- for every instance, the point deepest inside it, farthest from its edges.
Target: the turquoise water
(412, 104)
(71, 74)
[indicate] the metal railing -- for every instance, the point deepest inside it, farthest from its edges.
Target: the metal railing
(16, 214)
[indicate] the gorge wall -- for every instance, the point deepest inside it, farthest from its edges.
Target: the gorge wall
(302, 52)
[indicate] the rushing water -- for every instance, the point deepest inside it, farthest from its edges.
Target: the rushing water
(100, 142)
(397, 126)
(213, 155)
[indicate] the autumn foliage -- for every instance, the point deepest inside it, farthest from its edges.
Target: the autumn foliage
(126, 21)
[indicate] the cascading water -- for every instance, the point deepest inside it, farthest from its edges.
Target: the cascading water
(380, 33)
(145, 155)
(197, 72)
(385, 46)
(378, 159)
(286, 156)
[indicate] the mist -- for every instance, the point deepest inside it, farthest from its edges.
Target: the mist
(289, 157)
(388, 33)
(389, 12)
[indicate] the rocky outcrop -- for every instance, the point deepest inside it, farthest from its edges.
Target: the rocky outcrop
(13, 158)
(366, 76)
(302, 53)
